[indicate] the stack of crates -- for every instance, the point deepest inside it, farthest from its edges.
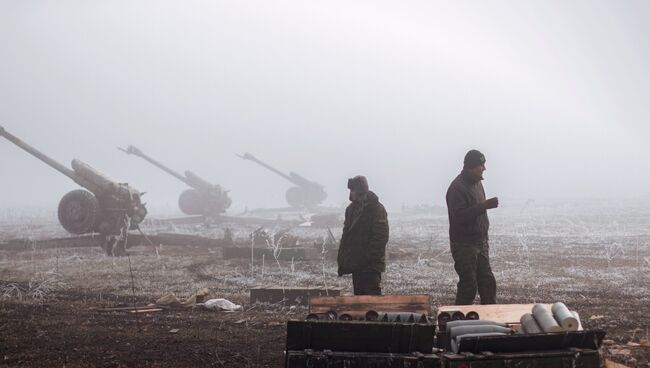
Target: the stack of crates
(577, 349)
(390, 340)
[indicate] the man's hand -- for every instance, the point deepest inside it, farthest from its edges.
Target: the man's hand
(491, 203)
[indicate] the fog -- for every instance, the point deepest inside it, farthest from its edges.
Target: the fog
(555, 94)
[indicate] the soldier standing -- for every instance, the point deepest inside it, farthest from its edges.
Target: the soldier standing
(468, 232)
(362, 251)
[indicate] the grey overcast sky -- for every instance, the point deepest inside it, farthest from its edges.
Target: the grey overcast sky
(555, 93)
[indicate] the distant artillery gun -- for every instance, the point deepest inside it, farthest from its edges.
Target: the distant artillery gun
(305, 194)
(104, 206)
(204, 198)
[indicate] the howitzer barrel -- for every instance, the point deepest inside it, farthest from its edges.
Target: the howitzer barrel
(197, 182)
(248, 156)
(306, 193)
(204, 198)
(93, 180)
(38, 154)
(132, 150)
(292, 177)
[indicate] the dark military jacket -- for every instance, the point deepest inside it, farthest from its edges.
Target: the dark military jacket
(365, 234)
(468, 220)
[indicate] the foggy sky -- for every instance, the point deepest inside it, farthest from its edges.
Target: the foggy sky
(555, 93)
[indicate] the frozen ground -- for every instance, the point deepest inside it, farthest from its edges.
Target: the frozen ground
(594, 256)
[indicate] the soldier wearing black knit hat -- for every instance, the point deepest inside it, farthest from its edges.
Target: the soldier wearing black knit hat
(468, 232)
(362, 251)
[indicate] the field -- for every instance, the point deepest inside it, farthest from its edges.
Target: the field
(594, 256)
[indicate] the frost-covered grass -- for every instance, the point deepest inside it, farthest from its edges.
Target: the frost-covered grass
(562, 252)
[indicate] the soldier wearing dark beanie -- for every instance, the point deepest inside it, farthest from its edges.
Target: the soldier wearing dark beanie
(473, 159)
(362, 251)
(468, 232)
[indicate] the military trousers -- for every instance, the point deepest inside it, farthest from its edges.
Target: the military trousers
(472, 264)
(366, 283)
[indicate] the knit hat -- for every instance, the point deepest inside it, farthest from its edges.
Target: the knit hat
(473, 159)
(359, 183)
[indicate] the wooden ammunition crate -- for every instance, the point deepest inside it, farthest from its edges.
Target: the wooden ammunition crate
(358, 305)
(502, 313)
(289, 295)
(329, 359)
(570, 358)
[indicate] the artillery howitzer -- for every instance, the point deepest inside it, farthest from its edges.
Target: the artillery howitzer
(306, 193)
(204, 198)
(104, 206)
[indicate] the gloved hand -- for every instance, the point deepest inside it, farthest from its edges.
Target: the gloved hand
(491, 203)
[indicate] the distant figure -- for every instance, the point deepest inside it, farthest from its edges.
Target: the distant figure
(227, 237)
(362, 251)
(468, 232)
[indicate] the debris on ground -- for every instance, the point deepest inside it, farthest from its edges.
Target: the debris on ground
(222, 305)
(171, 300)
(132, 309)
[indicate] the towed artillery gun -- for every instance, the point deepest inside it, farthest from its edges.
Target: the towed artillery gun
(103, 206)
(204, 198)
(305, 193)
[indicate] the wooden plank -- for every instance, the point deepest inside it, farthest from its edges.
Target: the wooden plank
(503, 313)
(151, 310)
(128, 308)
(358, 305)
(289, 295)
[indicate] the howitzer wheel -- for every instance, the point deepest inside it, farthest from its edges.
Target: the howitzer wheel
(79, 212)
(191, 202)
(295, 196)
